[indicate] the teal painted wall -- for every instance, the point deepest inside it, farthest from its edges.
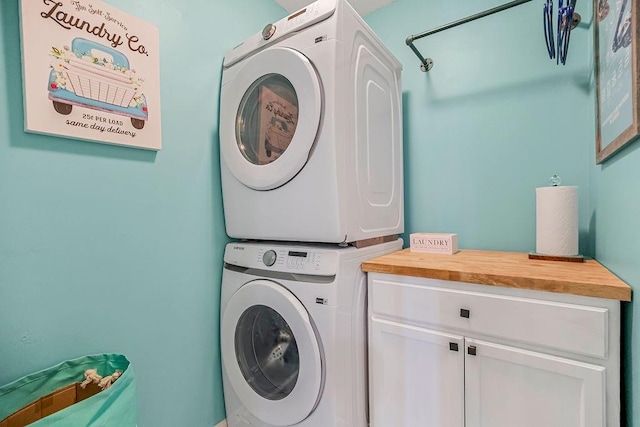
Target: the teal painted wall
(112, 249)
(616, 210)
(492, 121)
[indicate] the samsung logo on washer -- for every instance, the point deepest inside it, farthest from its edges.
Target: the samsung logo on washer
(238, 248)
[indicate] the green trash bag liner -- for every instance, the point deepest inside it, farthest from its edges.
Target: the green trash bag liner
(115, 406)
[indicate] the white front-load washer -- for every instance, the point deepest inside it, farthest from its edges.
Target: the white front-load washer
(293, 334)
(311, 131)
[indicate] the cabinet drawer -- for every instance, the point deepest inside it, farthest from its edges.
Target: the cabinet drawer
(569, 327)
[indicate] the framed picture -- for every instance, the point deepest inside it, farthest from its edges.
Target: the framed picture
(91, 72)
(616, 60)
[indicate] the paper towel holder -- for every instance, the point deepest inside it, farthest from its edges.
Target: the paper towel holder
(555, 182)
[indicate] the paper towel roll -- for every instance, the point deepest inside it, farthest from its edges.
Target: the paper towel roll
(557, 220)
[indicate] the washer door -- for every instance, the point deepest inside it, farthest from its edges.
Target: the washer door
(271, 353)
(269, 118)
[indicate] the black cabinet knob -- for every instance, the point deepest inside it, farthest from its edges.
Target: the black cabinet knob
(471, 350)
(465, 313)
(453, 346)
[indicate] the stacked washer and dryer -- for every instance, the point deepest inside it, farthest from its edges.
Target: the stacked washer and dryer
(311, 165)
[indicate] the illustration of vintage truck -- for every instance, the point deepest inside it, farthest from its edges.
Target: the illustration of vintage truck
(96, 76)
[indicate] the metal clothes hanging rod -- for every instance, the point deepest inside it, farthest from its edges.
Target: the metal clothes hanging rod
(427, 63)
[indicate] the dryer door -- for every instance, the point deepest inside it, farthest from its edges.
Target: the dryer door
(271, 353)
(269, 118)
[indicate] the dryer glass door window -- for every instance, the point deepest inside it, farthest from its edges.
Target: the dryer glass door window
(267, 352)
(267, 119)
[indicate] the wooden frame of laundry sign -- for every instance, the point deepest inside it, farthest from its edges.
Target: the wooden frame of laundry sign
(616, 67)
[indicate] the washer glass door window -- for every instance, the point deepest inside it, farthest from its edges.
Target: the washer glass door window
(271, 353)
(267, 352)
(269, 117)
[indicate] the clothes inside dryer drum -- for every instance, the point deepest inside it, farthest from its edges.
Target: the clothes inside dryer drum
(266, 352)
(267, 119)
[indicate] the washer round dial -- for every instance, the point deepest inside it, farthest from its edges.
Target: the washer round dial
(269, 258)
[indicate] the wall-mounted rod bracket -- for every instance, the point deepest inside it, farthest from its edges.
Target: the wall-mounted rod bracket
(427, 63)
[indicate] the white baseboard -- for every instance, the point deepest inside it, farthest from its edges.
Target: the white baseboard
(222, 423)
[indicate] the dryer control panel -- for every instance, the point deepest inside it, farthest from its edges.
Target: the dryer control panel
(305, 17)
(283, 258)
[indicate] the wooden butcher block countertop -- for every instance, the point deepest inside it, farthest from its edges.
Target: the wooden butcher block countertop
(508, 269)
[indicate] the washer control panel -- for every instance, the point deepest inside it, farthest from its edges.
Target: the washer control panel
(303, 260)
(283, 258)
(290, 260)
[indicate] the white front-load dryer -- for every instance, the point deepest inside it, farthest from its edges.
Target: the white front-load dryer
(311, 131)
(293, 334)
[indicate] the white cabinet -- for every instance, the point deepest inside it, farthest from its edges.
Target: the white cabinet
(507, 386)
(417, 376)
(452, 354)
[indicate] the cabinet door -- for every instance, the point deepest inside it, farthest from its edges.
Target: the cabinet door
(506, 387)
(416, 376)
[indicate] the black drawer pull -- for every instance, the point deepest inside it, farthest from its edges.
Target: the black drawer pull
(453, 346)
(464, 313)
(471, 350)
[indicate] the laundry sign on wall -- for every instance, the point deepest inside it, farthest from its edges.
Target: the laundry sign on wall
(618, 91)
(90, 72)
